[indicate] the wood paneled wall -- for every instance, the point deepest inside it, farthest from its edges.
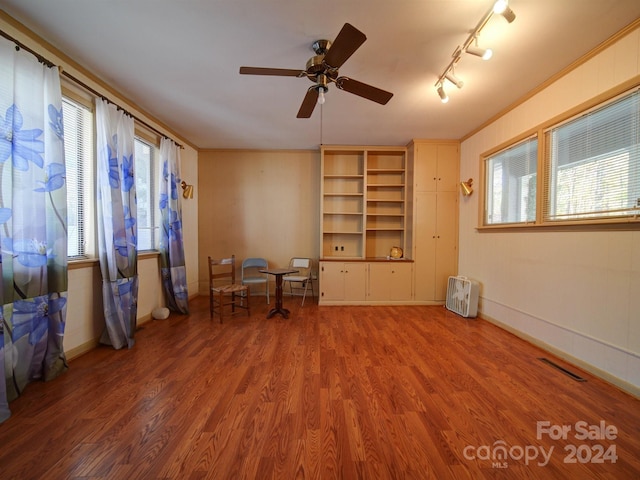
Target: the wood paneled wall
(256, 203)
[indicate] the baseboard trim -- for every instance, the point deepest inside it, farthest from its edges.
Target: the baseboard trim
(82, 349)
(601, 374)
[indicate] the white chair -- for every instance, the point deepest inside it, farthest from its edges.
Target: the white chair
(299, 282)
(251, 273)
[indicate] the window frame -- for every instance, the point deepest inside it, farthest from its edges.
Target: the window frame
(152, 140)
(628, 222)
(71, 92)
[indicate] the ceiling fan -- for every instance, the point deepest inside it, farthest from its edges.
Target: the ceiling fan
(322, 69)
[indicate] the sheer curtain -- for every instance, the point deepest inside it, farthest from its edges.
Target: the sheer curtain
(33, 224)
(174, 276)
(117, 228)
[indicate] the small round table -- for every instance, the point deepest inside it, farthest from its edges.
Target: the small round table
(279, 273)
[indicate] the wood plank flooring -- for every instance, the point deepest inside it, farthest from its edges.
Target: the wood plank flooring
(332, 392)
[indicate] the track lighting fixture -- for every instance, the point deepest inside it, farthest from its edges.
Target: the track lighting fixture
(470, 46)
(444, 98)
(484, 53)
(453, 79)
(501, 7)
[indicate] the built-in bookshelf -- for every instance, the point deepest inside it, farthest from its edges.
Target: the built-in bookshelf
(363, 201)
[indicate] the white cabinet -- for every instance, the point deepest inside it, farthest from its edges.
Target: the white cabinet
(434, 217)
(344, 282)
(365, 283)
(390, 281)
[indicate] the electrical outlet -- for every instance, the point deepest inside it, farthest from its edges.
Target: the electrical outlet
(336, 248)
(342, 248)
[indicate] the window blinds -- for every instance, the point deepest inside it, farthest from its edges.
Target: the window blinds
(594, 163)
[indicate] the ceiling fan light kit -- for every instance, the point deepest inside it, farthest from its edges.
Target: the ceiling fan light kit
(470, 46)
(322, 69)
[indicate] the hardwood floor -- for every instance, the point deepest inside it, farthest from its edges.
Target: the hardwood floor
(332, 392)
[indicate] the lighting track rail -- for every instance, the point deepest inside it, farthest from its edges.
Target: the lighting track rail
(470, 46)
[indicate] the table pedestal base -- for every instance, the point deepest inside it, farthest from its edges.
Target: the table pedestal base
(278, 273)
(282, 311)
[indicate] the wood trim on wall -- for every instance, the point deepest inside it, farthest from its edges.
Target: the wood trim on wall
(554, 78)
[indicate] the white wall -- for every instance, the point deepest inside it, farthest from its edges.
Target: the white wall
(577, 293)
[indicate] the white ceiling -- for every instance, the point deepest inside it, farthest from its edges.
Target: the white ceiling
(179, 61)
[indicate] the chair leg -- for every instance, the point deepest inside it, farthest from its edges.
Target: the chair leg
(304, 295)
(220, 302)
(210, 304)
(248, 302)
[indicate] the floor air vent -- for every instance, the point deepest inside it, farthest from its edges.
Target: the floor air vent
(569, 373)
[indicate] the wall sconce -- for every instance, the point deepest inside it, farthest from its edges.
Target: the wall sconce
(187, 190)
(466, 187)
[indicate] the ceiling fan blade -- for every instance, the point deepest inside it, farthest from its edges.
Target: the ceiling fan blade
(348, 41)
(279, 72)
(309, 103)
(363, 90)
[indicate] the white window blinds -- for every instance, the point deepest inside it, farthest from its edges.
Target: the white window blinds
(594, 164)
(511, 177)
(78, 151)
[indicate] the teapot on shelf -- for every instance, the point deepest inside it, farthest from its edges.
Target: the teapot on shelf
(396, 252)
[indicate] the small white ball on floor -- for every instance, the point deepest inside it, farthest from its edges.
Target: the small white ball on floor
(160, 313)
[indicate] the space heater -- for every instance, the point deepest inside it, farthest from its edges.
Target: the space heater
(462, 296)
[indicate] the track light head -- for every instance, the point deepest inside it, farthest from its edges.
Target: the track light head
(444, 98)
(453, 79)
(484, 53)
(501, 7)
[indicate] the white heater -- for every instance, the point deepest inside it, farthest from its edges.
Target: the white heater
(462, 296)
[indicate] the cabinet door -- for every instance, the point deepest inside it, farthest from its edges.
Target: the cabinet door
(436, 167)
(389, 281)
(331, 281)
(446, 257)
(447, 169)
(425, 241)
(425, 167)
(355, 281)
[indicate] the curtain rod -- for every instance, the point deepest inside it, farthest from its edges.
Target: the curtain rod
(49, 63)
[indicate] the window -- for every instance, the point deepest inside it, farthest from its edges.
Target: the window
(594, 163)
(589, 170)
(145, 159)
(79, 131)
(79, 158)
(511, 177)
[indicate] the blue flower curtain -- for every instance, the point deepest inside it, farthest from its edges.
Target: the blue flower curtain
(33, 224)
(174, 276)
(117, 228)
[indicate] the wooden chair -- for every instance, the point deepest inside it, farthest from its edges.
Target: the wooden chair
(223, 289)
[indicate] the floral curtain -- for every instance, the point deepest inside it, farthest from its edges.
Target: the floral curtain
(33, 224)
(174, 274)
(117, 228)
